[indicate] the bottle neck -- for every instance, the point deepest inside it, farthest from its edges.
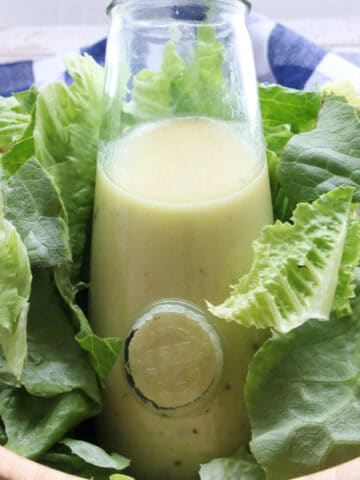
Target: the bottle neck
(190, 10)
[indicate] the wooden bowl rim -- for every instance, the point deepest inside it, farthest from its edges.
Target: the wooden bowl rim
(14, 467)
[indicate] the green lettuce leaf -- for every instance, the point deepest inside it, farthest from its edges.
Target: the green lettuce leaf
(277, 137)
(302, 394)
(350, 259)
(297, 267)
(282, 106)
(13, 121)
(202, 88)
(282, 208)
(318, 161)
(15, 285)
(59, 387)
(195, 87)
(241, 466)
(96, 455)
(34, 207)
(33, 424)
(66, 140)
(27, 100)
(343, 88)
(3, 176)
(285, 112)
(55, 362)
(121, 477)
(18, 155)
(49, 195)
(21, 146)
(103, 352)
(84, 459)
(152, 90)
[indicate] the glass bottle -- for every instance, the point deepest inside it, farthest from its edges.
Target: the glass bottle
(182, 191)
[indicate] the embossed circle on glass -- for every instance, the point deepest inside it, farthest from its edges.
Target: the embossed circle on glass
(173, 356)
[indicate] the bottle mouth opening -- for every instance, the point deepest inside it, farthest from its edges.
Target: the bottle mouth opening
(114, 3)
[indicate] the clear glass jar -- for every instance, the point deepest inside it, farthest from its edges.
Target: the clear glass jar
(182, 191)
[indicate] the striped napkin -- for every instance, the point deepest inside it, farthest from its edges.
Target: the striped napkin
(281, 56)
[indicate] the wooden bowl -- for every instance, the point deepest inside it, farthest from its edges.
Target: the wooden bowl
(13, 467)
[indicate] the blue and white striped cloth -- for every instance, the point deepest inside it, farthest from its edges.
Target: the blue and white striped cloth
(281, 56)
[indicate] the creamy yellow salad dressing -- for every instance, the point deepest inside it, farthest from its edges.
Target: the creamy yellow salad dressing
(178, 204)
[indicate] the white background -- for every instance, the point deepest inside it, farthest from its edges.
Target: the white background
(47, 12)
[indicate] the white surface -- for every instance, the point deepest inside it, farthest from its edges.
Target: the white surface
(41, 42)
(325, 70)
(52, 12)
(71, 12)
(22, 43)
(307, 8)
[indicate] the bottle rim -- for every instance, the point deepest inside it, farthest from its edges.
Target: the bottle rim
(113, 4)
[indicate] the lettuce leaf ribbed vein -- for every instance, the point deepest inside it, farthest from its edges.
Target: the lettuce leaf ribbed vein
(297, 267)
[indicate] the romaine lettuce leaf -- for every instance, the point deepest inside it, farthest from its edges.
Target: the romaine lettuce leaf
(151, 96)
(302, 394)
(59, 387)
(62, 132)
(343, 88)
(285, 112)
(202, 88)
(33, 205)
(13, 121)
(55, 362)
(33, 424)
(282, 207)
(3, 176)
(59, 128)
(277, 137)
(327, 157)
(195, 87)
(95, 455)
(285, 106)
(297, 267)
(15, 286)
(20, 146)
(350, 259)
(103, 352)
(27, 101)
(66, 141)
(118, 476)
(18, 154)
(84, 459)
(241, 466)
